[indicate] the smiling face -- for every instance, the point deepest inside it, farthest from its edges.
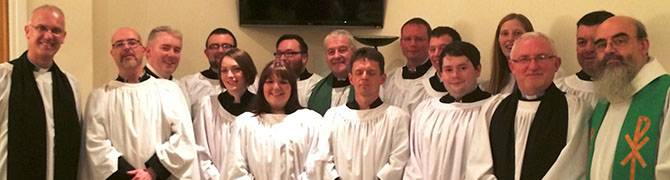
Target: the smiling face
(366, 77)
(435, 49)
(617, 44)
(163, 53)
(338, 53)
(277, 91)
(414, 43)
(217, 45)
(536, 75)
(586, 52)
(45, 34)
(459, 76)
(232, 76)
(127, 50)
(509, 32)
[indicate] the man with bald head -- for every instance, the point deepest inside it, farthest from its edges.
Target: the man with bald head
(137, 126)
(537, 132)
(40, 134)
(629, 137)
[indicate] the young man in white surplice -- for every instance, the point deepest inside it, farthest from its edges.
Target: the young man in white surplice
(366, 138)
(441, 128)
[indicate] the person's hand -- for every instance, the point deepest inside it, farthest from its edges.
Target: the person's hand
(143, 174)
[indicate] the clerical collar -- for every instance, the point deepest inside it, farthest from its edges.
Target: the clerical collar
(150, 71)
(536, 97)
(420, 70)
(209, 74)
(583, 76)
(436, 83)
(474, 96)
(338, 84)
(142, 78)
(305, 75)
(354, 105)
(227, 101)
(37, 68)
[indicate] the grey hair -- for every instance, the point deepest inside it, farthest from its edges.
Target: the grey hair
(166, 29)
(341, 32)
(641, 30)
(533, 35)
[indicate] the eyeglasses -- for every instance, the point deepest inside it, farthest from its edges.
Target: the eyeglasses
(617, 42)
(287, 54)
(332, 51)
(132, 43)
(43, 29)
(540, 58)
(225, 46)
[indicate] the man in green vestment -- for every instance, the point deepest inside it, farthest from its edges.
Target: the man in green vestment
(334, 89)
(627, 130)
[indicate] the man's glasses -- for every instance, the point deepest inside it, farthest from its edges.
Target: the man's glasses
(132, 43)
(287, 54)
(43, 29)
(540, 58)
(617, 42)
(225, 46)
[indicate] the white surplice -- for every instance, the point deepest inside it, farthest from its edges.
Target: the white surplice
(45, 86)
(440, 139)
(136, 121)
(428, 92)
(570, 164)
(362, 144)
(585, 90)
(273, 146)
(305, 88)
(607, 139)
(197, 86)
(213, 126)
(404, 93)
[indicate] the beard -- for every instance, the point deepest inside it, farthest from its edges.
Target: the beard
(614, 81)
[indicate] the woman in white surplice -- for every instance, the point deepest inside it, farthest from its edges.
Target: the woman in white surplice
(214, 116)
(272, 141)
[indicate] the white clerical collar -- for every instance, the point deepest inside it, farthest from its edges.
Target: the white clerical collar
(38, 68)
(156, 72)
(532, 97)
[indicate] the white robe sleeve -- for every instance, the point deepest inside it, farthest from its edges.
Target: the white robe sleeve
(663, 159)
(101, 155)
(399, 151)
(480, 160)
(178, 153)
(207, 168)
(320, 163)
(238, 168)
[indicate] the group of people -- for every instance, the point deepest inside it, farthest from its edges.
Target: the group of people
(429, 119)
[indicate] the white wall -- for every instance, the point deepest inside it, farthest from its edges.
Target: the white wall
(90, 25)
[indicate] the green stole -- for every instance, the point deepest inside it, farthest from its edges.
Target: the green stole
(322, 95)
(637, 146)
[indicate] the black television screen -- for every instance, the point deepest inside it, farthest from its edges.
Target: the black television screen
(361, 13)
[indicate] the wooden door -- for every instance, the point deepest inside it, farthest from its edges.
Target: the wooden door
(4, 32)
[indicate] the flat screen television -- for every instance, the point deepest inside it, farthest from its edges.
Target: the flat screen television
(350, 13)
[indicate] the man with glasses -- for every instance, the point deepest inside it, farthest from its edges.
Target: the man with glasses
(39, 106)
(403, 88)
(335, 89)
(206, 82)
(537, 132)
(163, 52)
(629, 136)
(581, 84)
(137, 127)
(292, 50)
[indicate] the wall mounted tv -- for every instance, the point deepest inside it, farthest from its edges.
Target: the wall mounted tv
(349, 13)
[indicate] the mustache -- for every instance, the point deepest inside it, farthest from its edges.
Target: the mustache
(610, 57)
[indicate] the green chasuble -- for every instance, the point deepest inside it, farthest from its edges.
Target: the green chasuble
(322, 95)
(637, 145)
